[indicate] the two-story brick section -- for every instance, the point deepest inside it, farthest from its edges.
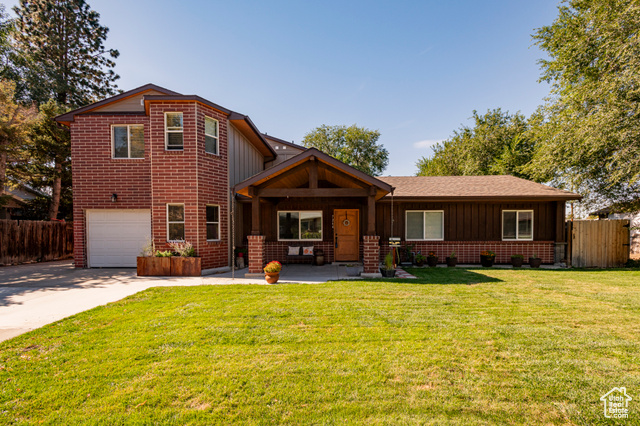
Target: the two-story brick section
(152, 163)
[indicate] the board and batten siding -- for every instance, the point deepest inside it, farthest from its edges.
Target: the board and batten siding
(244, 160)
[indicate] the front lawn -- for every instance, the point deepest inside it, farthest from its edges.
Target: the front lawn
(482, 346)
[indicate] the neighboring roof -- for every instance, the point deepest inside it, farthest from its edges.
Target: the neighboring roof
(474, 188)
(278, 140)
(266, 175)
(22, 192)
(69, 116)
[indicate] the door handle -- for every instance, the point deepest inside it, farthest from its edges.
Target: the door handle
(336, 241)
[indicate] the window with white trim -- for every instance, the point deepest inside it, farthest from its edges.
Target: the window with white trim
(517, 225)
(424, 225)
(211, 135)
(300, 225)
(127, 141)
(175, 222)
(213, 223)
(173, 131)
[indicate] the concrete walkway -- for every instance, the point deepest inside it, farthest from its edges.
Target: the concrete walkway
(38, 294)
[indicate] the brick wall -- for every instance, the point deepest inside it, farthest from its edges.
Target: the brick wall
(256, 253)
(190, 177)
(96, 175)
(469, 251)
(213, 188)
(371, 253)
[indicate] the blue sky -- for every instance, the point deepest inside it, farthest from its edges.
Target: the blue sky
(414, 70)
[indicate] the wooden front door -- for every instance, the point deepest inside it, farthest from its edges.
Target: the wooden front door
(346, 228)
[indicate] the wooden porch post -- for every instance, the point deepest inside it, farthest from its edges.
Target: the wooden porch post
(255, 211)
(371, 211)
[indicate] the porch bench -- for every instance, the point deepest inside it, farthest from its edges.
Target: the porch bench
(301, 258)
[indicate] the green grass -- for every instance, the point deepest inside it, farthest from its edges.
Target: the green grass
(482, 346)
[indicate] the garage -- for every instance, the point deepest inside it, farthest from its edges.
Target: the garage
(116, 237)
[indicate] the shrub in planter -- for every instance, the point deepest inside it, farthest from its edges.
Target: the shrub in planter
(535, 261)
(185, 263)
(452, 260)
(432, 259)
(487, 258)
(420, 259)
(516, 260)
(388, 271)
(272, 271)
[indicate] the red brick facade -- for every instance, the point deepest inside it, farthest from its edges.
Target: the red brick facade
(190, 177)
(371, 254)
(256, 253)
(469, 251)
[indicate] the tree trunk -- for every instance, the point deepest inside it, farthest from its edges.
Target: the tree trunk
(3, 169)
(56, 190)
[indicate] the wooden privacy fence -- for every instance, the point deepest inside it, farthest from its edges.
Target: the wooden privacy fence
(598, 243)
(34, 241)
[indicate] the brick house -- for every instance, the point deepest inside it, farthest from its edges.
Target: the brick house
(151, 162)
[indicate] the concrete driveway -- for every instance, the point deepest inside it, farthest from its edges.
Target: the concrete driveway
(38, 294)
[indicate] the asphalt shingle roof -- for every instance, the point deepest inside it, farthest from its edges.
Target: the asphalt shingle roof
(501, 186)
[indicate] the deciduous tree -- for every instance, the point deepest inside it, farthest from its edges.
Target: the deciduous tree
(589, 138)
(353, 145)
(497, 144)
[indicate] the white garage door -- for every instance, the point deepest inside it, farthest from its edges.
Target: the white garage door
(115, 237)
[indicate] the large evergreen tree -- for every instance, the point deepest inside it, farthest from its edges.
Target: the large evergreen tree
(589, 139)
(15, 122)
(497, 144)
(61, 53)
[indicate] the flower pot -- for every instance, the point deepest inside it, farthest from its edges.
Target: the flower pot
(432, 261)
(272, 277)
(487, 261)
(452, 262)
(153, 266)
(186, 266)
(516, 262)
(420, 263)
(535, 262)
(388, 273)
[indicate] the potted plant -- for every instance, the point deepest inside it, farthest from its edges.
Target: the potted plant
(353, 270)
(516, 260)
(432, 259)
(487, 258)
(420, 259)
(185, 263)
(241, 257)
(272, 271)
(452, 260)
(388, 271)
(535, 261)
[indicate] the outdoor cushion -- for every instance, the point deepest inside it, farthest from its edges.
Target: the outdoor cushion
(307, 251)
(294, 251)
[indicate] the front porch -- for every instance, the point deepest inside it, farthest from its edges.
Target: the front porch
(310, 201)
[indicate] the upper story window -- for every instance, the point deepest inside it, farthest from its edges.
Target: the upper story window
(173, 131)
(304, 225)
(517, 225)
(210, 135)
(127, 141)
(424, 225)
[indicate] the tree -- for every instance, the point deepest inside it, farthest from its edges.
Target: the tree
(6, 30)
(353, 145)
(15, 121)
(497, 144)
(60, 50)
(589, 137)
(47, 158)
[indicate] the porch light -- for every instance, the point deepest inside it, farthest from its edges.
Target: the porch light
(114, 197)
